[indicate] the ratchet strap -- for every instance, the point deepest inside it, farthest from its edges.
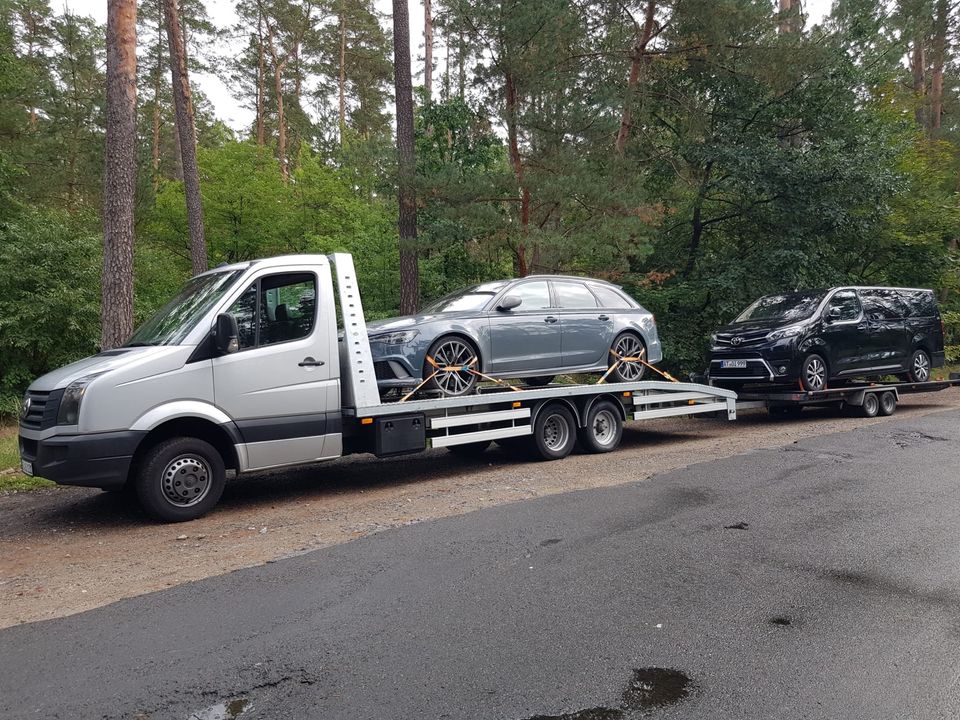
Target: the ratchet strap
(625, 359)
(468, 367)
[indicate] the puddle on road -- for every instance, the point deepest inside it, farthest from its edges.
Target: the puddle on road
(779, 620)
(225, 710)
(550, 541)
(648, 689)
(737, 526)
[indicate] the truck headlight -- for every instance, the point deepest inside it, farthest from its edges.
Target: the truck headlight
(396, 338)
(69, 412)
(784, 333)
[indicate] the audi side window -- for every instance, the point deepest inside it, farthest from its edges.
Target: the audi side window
(533, 295)
(574, 295)
(848, 303)
(609, 298)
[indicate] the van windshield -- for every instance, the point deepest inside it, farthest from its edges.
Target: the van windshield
(174, 321)
(785, 308)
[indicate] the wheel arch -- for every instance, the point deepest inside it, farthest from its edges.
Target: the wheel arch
(462, 335)
(571, 406)
(591, 402)
(223, 436)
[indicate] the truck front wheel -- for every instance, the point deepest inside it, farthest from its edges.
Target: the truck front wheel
(180, 479)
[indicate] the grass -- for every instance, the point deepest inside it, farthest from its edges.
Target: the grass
(10, 476)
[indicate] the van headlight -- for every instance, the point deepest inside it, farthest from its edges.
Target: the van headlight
(69, 412)
(784, 333)
(396, 338)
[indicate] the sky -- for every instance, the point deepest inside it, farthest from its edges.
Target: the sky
(229, 109)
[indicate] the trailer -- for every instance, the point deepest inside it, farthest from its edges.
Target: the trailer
(173, 413)
(864, 399)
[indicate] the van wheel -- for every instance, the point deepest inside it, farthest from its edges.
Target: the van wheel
(554, 432)
(871, 405)
(604, 428)
(888, 403)
(180, 479)
(919, 370)
(813, 373)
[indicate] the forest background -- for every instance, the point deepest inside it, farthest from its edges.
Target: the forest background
(699, 153)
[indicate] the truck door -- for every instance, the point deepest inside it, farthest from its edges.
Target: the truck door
(281, 388)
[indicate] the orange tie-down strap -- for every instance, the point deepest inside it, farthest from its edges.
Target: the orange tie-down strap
(468, 367)
(623, 359)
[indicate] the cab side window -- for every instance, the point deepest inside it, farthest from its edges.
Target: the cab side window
(574, 295)
(275, 309)
(533, 295)
(848, 304)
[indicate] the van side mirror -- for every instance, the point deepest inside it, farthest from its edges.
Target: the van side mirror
(226, 334)
(833, 314)
(509, 302)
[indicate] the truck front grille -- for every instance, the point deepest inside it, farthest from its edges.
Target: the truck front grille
(42, 413)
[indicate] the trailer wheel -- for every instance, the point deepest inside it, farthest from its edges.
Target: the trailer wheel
(554, 433)
(871, 405)
(888, 403)
(604, 428)
(470, 450)
(180, 479)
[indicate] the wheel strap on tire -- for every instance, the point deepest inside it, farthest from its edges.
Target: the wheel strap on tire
(625, 359)
(468, 367)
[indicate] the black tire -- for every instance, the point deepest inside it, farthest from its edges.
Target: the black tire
(470, 450)
(888, 403)
(814, 373)
(554, 432)
(629, 344)
(871, 405)
(449, 351)
(173, 470)
(919, 369)
(604, 428)
(541, 381)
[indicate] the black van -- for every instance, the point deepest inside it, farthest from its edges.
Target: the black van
(815, 336)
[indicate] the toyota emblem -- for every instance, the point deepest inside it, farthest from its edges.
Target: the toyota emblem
(736, 340)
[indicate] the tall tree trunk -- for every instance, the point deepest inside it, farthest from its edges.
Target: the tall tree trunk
(461, 65)
(637, 58)
(406, 192)
(428, 49)
(261, 80)
(186, 131)
(952, 246)
(696, 222)
(939, 59)
(342, 79)
(516, 161)
(120, 173)
(157, 88)
(918, 65)
(278, 66)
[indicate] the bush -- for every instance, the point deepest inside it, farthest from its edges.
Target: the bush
(49, 297)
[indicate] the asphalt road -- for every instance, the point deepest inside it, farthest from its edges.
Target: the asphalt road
(821, 580)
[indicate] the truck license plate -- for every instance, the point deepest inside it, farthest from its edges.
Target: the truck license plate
(733, 363)
(27, 467)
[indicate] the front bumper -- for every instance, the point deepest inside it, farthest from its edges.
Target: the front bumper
(759, 366)
(96, 460)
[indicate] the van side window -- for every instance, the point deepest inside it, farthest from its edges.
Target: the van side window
(920, 302)
(882, 304)
(275, 309)
(848, 303)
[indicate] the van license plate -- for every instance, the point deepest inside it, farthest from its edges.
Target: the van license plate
(27, 467)
(733, 363)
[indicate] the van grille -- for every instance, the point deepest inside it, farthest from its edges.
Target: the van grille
(746, 339)
(43, 410)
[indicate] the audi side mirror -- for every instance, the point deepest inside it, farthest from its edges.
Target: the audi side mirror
(509, 302)
(226, 334)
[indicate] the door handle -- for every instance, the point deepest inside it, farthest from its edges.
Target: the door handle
(310, 362)
(604, 318)
(550, 319)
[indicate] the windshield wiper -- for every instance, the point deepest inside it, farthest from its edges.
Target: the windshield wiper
(140, 344)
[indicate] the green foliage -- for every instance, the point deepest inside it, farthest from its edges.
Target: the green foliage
(50, 267)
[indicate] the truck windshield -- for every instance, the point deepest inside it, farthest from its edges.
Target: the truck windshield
(174, 321)
(785, 308)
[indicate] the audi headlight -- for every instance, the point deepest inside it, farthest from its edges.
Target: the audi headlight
(784, 333)
(69, 412)
(396, 338)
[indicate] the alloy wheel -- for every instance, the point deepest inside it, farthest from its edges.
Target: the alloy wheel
(630, 346)
(921, 367)
(454, 354)
(815, 374)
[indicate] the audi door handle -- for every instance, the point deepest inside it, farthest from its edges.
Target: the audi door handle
(550, 319)
(310, 362)
(604, 318)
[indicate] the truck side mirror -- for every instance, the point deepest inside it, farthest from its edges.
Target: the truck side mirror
(833, 314)
(226, 334)
(509, 302)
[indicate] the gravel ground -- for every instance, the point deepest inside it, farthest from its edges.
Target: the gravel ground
(66, 550)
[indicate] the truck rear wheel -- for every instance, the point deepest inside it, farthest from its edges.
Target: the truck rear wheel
(604, 428)
(554, 432)
(180, 479)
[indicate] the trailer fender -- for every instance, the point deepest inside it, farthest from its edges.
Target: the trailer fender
(570, 406)
(582, 419)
